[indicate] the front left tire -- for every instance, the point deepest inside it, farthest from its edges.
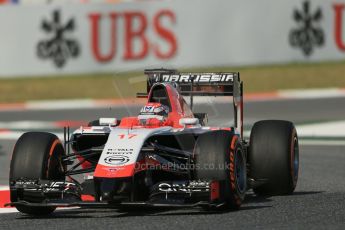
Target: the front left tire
(36, 156)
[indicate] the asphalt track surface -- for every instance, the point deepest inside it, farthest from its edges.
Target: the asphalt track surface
(318, 202)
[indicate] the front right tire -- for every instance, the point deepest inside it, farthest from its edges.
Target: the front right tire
(220, 157)
(274, 157)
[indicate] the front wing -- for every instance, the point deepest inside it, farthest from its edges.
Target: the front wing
(167, 194)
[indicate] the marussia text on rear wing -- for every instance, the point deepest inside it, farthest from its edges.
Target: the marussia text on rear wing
(198, 84)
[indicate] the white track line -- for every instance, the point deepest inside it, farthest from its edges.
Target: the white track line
(4, 187)
(312, 93)
(33, 125)
(60, 104)
(8, 210)
(322, 142)
(14, 135)
(324, 129)
(14, 210)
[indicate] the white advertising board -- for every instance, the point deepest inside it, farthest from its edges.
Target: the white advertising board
(94, 38)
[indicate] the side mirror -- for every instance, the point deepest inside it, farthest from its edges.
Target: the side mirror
(189, 121)
(107, 121)
(203, 118)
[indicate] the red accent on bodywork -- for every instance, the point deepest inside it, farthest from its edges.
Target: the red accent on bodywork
(87, 198)
(128, 122)
(176, 109)
(153, 123)
(133, 123)
(126, 170)
(85, 164)
(214, 190)
(114, 171)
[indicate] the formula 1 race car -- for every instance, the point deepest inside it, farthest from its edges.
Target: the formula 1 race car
(165, 157)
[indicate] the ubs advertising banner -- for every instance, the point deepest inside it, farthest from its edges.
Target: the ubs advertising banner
(92, 38)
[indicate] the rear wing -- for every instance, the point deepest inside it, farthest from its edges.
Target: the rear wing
(196, 84)
(202, 84)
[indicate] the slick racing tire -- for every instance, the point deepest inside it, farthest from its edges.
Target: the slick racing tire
(274, 156)
(36, 156)
(219, 157)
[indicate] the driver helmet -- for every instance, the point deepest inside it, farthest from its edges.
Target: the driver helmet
(155, 109)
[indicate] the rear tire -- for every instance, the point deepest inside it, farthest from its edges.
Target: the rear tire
(219, 157)
(274, 156)
(36, 156)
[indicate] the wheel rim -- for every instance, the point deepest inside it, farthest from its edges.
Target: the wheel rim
(295, 160)
(240, 172)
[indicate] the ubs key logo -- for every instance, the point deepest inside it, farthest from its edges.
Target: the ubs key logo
(58, 47)
(308, 33)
